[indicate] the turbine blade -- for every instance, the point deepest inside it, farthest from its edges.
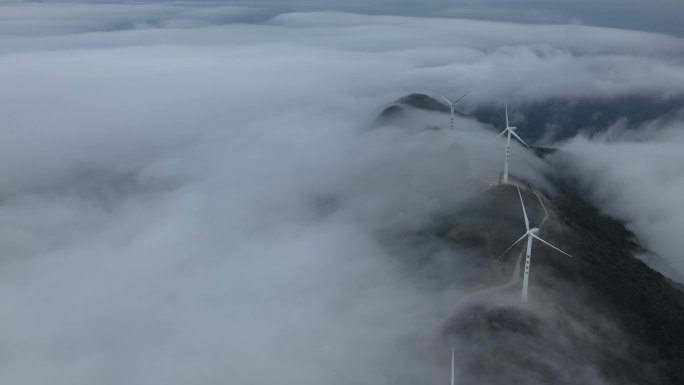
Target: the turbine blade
(452, 367)
(506, 104)
(446, 100)
(527, 222)
(502, 132)
(521, 141)
(548, 244)
(511, 246)
(464, 95)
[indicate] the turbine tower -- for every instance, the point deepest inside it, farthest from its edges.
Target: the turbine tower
(509, 131)
(452, 367)
(530, 234)
(452, 105)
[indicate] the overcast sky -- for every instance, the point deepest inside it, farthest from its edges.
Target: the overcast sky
(190, 194)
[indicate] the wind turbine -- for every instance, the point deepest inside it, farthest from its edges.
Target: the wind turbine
(452, 105)
(452, 367)
(530, 234)
(510, 131)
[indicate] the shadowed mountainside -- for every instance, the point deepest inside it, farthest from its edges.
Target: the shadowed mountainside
(600, 317)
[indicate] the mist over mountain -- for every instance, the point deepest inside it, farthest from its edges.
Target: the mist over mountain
(269, 192)
(555, 120)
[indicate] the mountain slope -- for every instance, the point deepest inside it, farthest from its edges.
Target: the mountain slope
(603, 316)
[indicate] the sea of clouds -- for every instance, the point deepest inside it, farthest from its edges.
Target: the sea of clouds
(192, 193)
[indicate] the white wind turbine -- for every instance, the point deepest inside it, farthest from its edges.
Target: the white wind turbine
(452, 105)
(530, 234)
(510, 131)
(452, 367)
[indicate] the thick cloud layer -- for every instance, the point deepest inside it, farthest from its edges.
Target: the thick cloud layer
(662, 16)
(639, 179)
(200, 201)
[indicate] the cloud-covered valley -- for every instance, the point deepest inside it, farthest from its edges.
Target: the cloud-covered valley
(190, 198)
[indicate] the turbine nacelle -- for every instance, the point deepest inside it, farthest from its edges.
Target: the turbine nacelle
(511, 131)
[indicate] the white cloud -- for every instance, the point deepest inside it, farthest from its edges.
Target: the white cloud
(46, 19)
(640, 181)
(202, 204)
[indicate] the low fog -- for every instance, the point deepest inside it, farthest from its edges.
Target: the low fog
(187, 198)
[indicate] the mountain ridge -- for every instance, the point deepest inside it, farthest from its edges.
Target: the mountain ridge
(601, 317)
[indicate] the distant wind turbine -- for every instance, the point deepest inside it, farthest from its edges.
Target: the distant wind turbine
(510, 131)
(530, 234)
(452, 105)
(452, 367)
